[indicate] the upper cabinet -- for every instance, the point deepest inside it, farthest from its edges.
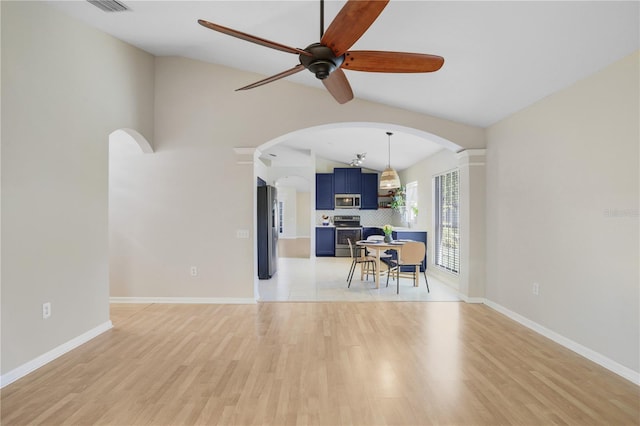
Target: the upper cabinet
(347, 180)
(369, 191)
(324, 191)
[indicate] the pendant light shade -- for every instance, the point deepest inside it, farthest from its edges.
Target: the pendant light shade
(389, 178)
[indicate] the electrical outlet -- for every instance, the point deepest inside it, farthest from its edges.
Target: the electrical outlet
(242, 233)
(194, 271)
(46, 310)
(535, 289)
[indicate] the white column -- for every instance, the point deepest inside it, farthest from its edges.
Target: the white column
(471, 164)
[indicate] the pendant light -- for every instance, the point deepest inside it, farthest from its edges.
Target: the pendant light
(389, 178)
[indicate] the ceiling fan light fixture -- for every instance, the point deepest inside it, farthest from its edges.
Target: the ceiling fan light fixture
(322, 61)
(389, 178)
(322, 68)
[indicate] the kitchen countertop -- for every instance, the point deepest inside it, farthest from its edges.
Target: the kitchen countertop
(395, 228)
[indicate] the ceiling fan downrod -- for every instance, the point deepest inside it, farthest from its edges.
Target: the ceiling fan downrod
(321, 19)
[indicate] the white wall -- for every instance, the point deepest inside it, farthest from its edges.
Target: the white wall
(65, 88)
(562, 211)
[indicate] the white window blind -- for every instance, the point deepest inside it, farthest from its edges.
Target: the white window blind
(447, 242)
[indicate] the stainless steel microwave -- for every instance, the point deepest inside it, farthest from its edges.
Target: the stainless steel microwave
(347, 201)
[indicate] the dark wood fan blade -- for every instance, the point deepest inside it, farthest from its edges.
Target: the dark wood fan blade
(339, 87)
(380, 61)
(252, 39)
(283, 74)
(351, 22)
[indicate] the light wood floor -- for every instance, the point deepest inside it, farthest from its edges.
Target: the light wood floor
(446, 363)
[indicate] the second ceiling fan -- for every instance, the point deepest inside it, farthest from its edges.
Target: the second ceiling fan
(328, 58)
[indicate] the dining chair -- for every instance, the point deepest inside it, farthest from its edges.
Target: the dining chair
(356, 259)
(412, 254)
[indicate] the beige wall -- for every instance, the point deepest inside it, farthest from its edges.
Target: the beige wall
(65, 87)
(562, 211)
(423, 172)
(303, 214)
(192, 193)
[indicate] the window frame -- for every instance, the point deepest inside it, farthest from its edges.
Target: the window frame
(411, 202)
(451, 266)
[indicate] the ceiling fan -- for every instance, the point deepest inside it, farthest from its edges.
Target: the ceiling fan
(331, 55)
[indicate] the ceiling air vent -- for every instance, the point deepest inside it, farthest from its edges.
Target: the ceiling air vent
(109, 5)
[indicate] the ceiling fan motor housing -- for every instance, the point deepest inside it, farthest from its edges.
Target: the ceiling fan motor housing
(323, 62)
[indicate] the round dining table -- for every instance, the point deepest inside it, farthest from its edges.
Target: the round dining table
(380, 247)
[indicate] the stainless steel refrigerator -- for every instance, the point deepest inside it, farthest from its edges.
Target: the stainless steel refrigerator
(267, 232)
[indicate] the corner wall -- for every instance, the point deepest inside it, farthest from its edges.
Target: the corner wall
(562, 211)
(65, 88)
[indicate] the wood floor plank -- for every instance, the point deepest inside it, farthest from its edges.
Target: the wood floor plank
(330, 363)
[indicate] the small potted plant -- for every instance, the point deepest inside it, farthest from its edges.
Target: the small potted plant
(388, 230)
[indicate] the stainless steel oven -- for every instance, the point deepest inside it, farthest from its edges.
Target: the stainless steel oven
(347, 227)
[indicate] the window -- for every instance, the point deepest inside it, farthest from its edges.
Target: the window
(446, 214)
(412, 202)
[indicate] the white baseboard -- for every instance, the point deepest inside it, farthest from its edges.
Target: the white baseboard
(468, 299)
(47, 357)
(609, 364)
(186, 300)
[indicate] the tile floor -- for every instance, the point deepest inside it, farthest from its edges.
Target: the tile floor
(324, 279)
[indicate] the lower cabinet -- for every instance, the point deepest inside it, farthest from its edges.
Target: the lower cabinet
(325, 241)
(369, 231)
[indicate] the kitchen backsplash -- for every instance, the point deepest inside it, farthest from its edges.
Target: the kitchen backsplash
(367, 217)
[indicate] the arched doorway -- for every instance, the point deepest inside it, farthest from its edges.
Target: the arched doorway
(307, 162)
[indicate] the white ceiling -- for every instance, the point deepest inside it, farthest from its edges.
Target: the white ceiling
(499, 56)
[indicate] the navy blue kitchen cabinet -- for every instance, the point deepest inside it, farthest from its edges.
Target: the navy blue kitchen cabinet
(324, 191)
(369, 191)
(367, 231)
(347, 180)
(325, 241)
(415, 236)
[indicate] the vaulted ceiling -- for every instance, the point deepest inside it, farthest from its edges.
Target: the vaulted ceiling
(500, 57)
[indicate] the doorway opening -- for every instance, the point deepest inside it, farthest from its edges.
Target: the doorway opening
(306, 152)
